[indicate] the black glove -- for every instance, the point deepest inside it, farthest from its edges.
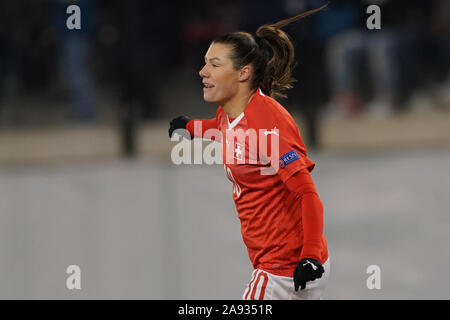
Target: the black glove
(178, 123)
(307, 270)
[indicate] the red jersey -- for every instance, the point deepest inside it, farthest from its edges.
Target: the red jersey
(270, 215)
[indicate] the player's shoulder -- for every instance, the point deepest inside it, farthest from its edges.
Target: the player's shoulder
(265, 112)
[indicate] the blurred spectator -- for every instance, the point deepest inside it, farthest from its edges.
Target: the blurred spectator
(3, 47)
(351, 47)
(440, 29)
(28, 42)
(417, 57)
(75, 53)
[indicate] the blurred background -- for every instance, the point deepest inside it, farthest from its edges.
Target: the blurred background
(86, 176)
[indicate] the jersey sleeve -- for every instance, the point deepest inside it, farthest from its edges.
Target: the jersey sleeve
(285, 149)
(203, 125)
(206, 124)
(292, 153)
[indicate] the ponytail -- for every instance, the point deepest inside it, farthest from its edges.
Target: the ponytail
(277, 75)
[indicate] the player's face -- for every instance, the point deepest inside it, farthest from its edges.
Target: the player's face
(220, 79)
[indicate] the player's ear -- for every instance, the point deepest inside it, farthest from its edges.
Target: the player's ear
(245, 73)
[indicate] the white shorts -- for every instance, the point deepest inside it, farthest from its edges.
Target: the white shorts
(267, 286)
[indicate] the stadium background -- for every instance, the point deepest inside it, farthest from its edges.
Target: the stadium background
(85, 171)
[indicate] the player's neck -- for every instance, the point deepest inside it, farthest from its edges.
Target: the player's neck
(235, 106)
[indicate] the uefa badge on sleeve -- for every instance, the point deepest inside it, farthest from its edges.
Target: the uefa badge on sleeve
(288, 158)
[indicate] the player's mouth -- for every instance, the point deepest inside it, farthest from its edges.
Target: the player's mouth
(207, 86)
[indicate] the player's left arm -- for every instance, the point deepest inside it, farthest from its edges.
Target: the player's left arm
(309, 267)
(293, 169)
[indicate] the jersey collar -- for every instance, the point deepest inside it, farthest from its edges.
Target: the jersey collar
(239, 117)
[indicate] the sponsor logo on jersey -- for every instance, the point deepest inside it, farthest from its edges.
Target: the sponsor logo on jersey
(273, 131)
(288, 158)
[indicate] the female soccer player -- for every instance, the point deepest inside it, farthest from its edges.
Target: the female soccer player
(281, 214)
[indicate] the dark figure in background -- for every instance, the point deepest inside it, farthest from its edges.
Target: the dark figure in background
(75, 50)
(148, 52)
(440, 31)
(3, 47)
(416, 56)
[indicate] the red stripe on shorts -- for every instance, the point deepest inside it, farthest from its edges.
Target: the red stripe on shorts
(250, 285)
(255, 286)
(263, 288)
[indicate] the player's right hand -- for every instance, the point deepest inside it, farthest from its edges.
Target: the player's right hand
(178, 123)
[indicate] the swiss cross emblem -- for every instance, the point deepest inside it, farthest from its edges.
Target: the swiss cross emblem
(239, 151)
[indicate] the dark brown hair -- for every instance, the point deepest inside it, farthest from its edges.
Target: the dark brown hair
(270, 52)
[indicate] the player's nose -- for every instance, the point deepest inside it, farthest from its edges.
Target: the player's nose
(202, 73)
